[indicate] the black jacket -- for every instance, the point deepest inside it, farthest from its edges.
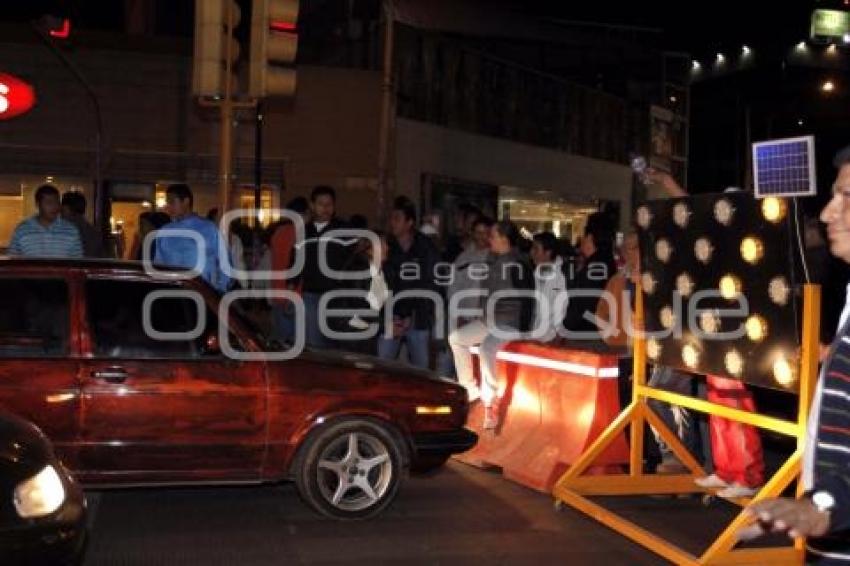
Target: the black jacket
(336, 249)
(399, 270)
(594, 275)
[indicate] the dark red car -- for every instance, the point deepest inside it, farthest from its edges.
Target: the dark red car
(123, 408)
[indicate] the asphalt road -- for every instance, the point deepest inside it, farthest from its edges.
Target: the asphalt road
(459, 515)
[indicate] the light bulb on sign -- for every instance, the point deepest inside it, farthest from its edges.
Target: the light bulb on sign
(779, 291)
(783, 371)
(666, 317)
(752, 249)
(653, 349)
(724, 211)
(648, 283)
(663, 250)
(730, 287)
(690, 355)
(773, 209)
(685, 285)
(756, 328)
(703, 250)
(681, 215)
(734, 363)
(709, 322)
(644, 217)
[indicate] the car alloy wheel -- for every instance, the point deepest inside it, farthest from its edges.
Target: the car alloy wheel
(350, 470)
(354, 471)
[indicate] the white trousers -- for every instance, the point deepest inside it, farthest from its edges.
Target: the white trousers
(461, 340)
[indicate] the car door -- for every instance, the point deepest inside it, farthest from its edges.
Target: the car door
(165, 410)
(38, 355)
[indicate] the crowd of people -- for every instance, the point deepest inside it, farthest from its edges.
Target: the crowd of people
(372, 292)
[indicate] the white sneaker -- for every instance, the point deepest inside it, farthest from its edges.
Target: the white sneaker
(711, 482)
(473, 392)
(737, 491)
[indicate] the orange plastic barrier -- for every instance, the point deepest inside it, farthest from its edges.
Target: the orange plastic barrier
(556, 402)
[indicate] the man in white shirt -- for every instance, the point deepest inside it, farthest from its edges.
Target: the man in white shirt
(550, 286)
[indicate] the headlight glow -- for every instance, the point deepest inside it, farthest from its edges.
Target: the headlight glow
(40, 495)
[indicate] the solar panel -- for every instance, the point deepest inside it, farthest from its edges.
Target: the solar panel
(784, 167)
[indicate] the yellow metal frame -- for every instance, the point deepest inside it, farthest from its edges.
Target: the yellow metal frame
(574, 489)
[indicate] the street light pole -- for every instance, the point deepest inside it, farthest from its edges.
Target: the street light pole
(387, 112)
(98, 195)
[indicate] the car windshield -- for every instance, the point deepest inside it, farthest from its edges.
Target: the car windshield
(240, 313)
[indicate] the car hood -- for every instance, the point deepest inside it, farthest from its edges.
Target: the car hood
(23, 448)
(370, 364)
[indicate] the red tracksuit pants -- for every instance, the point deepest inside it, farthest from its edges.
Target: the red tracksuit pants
(735, 447)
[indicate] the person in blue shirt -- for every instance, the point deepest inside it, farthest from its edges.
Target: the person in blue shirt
(178, 250)
(46, 234)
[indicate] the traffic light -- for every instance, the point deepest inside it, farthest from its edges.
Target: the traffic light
(216, 49)
(274, 42)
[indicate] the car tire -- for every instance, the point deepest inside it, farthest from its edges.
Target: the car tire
(352, 469)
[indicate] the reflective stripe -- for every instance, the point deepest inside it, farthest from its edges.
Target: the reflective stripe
(834, 447)
(834, 555)
(568, 367)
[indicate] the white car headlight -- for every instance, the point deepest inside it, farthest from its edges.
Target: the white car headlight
(40, 495)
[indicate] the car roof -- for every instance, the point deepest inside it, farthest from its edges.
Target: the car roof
(93, 264)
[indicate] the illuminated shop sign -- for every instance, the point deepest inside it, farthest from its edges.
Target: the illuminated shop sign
(16, 97)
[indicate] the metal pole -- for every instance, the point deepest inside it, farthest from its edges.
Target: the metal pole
(226, 149)
(387, 110)
(258, 161)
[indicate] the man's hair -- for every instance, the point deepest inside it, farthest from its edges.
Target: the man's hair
(842, 158)
(406, 207)
(508, 229)
(181, 191)
(600, 226)
(298, 204)
(358, 222)
(75, 201)
(323, 190)
(467, 210)
(481, 219)
(45, 190)
(548, 242)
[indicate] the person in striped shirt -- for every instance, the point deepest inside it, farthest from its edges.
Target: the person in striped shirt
(46, 234)
(823, 513)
